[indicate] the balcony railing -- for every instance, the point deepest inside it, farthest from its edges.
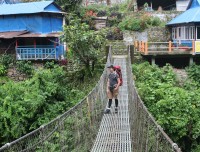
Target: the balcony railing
(164, 47)
(36, 53)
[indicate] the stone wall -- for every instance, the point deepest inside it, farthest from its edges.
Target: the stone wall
(158, 34)
(155, 34)
(15, 75)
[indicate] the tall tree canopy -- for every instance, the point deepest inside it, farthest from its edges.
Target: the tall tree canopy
(69, 5)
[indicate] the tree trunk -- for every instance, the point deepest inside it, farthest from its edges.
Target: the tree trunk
(108, 2)
(87, 66)
(188, 144)
(93, 64)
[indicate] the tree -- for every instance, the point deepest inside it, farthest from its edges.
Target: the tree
(85, 44)
(69, 5)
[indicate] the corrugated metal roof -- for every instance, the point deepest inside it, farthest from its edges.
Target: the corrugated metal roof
(24, 8)
(9, 35)
(193, 4)
(189, 16)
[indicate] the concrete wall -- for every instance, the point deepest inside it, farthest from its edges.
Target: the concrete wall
(182, 5)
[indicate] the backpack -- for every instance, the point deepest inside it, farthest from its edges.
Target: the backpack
(119, 72)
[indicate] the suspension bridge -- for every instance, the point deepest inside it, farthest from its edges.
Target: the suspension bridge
(85, 128)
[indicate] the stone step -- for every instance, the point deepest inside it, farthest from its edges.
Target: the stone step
(119, 49)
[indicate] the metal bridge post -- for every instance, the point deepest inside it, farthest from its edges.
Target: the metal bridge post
(89, 109)
(131, 48)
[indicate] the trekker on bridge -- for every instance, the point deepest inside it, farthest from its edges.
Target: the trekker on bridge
(112, 89)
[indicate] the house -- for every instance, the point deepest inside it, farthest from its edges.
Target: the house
(155, 4)
(185, 28)
(32, 30)
(181, 5)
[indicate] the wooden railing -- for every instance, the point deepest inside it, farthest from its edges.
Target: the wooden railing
(168, 47)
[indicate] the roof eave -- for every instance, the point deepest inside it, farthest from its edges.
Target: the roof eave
(55, 5)
(172, 24)
(35, 13)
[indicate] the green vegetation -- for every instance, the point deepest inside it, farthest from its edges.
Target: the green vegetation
(25, 67)
(85, 44)
(103, 10)
(3, 70)
(5, 62)
(26, 105)
(135, 23)
(176, 108)
(52, 90)
(119, 17)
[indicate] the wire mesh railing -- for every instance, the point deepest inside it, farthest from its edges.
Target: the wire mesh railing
(74, 130)
(146, 134)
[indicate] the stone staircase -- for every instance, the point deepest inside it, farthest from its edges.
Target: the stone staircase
(118, 47)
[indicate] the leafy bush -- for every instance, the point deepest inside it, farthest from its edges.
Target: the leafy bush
(49, 65)
(175, 108)
(24, 106)
(196, 149)
(6, 60)
(3, 70)
(156, 21)
(135, 23)
(68, 5)
(132, 24)
(114, 14)
(114, 34)
(25, 67)
(194, 73)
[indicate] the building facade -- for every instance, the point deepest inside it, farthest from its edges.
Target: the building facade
(35, 29)
(181, 5)
(185, 28)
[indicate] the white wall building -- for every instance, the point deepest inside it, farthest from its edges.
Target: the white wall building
(181, 5)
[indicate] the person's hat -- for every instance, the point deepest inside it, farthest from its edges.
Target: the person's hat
(111, 66)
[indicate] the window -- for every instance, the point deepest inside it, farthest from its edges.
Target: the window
(173, 33)
(198, 32)
(178, 32)
(187, 33)
(192, 32)
(184, 33)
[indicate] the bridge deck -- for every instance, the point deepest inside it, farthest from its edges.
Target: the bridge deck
(114, 132)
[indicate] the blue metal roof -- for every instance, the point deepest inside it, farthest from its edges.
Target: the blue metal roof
(190, 16)
(27, 8)
(193, 4)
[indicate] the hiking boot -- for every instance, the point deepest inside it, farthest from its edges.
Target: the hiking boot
(107, 111)
(116, 109)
